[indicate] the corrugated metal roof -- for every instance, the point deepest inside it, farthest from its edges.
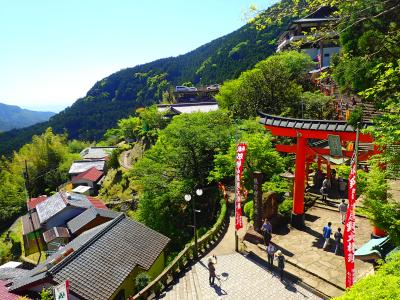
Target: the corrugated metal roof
(325, 125)
(91, 174)
(84, 165)
(97, 152)
(51, 206)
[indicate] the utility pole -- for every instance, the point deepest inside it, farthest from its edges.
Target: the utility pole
(27, 187)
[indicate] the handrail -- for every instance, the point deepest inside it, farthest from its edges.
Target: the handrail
(184, 258)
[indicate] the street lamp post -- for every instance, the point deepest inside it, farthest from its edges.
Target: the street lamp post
(188, 197)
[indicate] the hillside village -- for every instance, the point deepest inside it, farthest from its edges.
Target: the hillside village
(149, 210)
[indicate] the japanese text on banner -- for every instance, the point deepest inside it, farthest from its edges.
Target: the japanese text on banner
(240, 156)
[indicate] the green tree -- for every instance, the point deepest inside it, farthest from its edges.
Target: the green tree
(383, 284)
(274, 86)
(180, 160)
(260, 155)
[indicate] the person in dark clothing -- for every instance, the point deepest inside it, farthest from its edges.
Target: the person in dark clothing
(266, 229)
(211, 269)
(338, 237)
(281, 263)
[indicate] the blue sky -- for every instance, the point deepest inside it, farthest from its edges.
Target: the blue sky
(52, 52)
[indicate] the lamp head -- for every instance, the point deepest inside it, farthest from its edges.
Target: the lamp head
(199, 192)
(187, 197)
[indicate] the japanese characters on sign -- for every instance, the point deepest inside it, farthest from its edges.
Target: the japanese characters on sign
(240, 155)
(350, 226)
(335, 146)
(61, 291)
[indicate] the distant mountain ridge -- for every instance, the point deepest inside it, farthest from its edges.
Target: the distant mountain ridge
(12, 116)
(121, 93)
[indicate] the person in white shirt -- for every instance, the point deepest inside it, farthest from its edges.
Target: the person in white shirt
(343, 210)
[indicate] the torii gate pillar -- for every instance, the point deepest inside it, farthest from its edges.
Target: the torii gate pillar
(300, 174)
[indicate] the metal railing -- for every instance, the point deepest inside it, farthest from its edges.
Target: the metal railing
(185, 258)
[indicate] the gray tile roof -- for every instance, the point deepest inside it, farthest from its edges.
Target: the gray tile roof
(96, 152)
(11, 273)
(88, 216)
(328, 125)
(103, 257)
(80, 166)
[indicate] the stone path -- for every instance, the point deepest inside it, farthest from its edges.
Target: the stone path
(240, 278)
(320, 269)
(308, 265)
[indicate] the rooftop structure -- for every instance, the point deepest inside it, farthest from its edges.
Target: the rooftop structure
(89, 219)
(31, 203)
(60, 207)
(55, 232)
(98, 262)
(187, 108)
(81, 166)
(97, 152)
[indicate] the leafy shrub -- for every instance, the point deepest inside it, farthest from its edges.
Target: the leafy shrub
(141, 281)
(249, 210)
(383, 284)
(286, 207)
(277, 184)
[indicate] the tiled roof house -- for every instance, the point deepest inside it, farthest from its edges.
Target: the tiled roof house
(102, 262)
(91, 178)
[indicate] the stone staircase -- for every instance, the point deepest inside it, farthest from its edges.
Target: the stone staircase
(186, 287)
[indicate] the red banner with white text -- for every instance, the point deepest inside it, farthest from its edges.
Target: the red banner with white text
(349, 235)
(240, 155)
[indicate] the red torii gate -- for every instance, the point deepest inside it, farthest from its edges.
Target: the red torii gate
(303, 130)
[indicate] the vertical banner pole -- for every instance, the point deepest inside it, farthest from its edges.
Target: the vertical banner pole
(240, 156)
(350, 224)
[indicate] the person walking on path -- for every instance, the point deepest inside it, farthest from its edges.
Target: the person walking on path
(324, 190)
(266, 229)
(343, 210)
(326, 232)
(338, 237)
(212, 260)
(281, 263)
(270, 254)
(342, 187)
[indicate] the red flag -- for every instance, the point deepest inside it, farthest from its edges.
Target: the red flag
(349, 235)
(240, 155)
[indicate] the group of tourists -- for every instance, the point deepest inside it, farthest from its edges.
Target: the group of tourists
(272, 254)
(338, 236)
(330, 182)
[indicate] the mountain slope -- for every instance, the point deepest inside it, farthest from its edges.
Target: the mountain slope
(119, 94)
(12, 116)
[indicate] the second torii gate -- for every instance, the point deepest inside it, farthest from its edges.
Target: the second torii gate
(303, 130)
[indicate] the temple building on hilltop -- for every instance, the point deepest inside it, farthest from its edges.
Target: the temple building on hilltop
(319, 48)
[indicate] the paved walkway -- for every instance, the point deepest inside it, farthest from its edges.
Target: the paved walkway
(240, 278)
(309, 264)
(320, 269)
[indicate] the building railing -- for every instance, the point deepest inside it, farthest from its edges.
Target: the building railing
(185, 258)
